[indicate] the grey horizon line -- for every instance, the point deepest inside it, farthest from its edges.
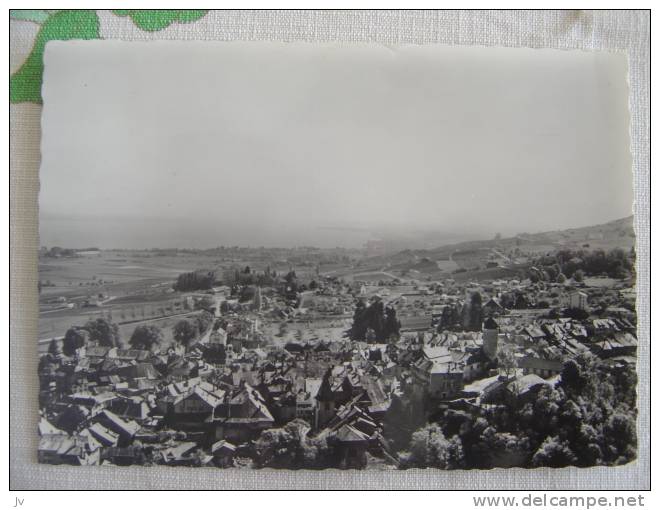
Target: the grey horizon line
(338, 247)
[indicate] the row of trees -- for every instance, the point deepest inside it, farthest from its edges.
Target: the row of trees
(100, 331)
(105, 333)
(242, 282)
(375, 322)
(195, 280)
(469, 317)
(237, 277)
(556, 267)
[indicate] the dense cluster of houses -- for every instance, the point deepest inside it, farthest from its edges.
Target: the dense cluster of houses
(210, 403)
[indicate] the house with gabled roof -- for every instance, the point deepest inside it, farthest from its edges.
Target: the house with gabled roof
(125, 429)
(223, 453)
(242, 416)
(513, 390)
(129, 355)
(76, 450)
(438, 373)
(123, 456)
(351, 446)
(492, 308)
(45, 427)
(103, 435)
(542, 367)
(336, 388)
(133, 408)
(181, 454)
(71, 417)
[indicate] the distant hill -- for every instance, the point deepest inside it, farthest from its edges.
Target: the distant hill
(618, 233)
(494, 258)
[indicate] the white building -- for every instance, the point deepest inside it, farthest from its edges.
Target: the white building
(576, 299)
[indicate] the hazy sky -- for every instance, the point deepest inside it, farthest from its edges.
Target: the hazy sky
(206, 144)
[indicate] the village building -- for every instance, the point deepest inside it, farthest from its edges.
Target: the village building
(242, 416)
(223, 453)
(75, 450)
(492, 308)
(576, 299)
(544, 368)
(438, 374)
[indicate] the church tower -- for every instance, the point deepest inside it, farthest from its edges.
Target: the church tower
(326, 400)
(257, 301)
(490, 333)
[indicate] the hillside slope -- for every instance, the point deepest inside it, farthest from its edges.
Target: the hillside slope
(495, 258)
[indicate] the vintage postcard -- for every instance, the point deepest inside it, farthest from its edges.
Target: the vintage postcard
(335, 256)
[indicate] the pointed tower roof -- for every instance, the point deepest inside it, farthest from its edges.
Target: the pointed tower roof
(325, 393)
(490, 324)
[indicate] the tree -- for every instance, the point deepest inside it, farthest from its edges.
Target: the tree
(578, 275)
(74, 339)
(450, 318)
(576, 314)
(554, 452)
(184, 332)
(145, 337)
(430, 448)
(475, 312)
(572, 378)
(587, 446)
(247, 293)
(392, 324)
(553, 313)
(215, 353)
(103, 331)
(289, 447)
(506, 359)
(291, 289)
(374, 317)
(203, 321)
(54, 348)
(359, 327)
(500, 449)
(620, 429)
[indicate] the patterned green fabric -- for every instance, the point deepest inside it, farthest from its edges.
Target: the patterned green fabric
(25, 84)
(153, 20)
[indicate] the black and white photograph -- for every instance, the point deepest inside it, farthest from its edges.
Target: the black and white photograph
(335, 256)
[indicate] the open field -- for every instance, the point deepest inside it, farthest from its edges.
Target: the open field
(130, 286)
(307, 331)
